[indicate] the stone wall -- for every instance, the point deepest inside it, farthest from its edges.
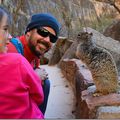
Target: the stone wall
(87, 106)
(72, 14)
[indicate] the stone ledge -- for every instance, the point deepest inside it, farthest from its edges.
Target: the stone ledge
(108, 112)
(76, 73)
(87, 106)
(91, 104)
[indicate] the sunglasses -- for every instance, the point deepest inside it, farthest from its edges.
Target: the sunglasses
(45, 33)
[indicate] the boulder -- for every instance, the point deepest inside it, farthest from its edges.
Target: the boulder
(58, 50)
(90, 106)
(113, 30)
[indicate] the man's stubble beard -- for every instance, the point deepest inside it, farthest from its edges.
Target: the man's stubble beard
(33, 48)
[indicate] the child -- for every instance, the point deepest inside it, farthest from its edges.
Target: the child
(20, 88)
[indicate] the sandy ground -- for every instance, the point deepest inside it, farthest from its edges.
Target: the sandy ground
(61, 102)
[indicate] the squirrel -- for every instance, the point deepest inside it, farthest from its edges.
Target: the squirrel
(100, 62)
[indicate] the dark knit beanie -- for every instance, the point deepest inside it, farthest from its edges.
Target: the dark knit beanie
(43, 20)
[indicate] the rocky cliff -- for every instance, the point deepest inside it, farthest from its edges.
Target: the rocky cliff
(72, 14)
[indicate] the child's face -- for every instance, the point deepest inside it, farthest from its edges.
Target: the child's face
(4, 32)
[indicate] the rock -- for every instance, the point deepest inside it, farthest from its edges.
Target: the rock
(92, 89)
(108, 112)
(89, 104)
(59, 49)
(70, 52)
(113, 30)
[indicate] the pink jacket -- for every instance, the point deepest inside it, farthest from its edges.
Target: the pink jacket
(20, 88)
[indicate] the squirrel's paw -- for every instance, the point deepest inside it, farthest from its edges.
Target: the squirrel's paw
(97, 94)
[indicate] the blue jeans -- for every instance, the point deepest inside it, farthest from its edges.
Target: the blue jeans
(46, 90)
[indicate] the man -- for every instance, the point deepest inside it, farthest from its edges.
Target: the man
(41, 32)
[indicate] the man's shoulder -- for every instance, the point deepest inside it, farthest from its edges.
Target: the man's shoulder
(12, 48)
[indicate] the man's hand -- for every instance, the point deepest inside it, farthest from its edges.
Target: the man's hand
(41, 72)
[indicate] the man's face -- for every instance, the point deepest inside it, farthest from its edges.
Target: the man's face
(37, 43)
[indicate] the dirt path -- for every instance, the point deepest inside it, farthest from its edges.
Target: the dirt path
(61, 99)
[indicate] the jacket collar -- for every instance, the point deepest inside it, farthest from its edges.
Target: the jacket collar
(27, 52)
